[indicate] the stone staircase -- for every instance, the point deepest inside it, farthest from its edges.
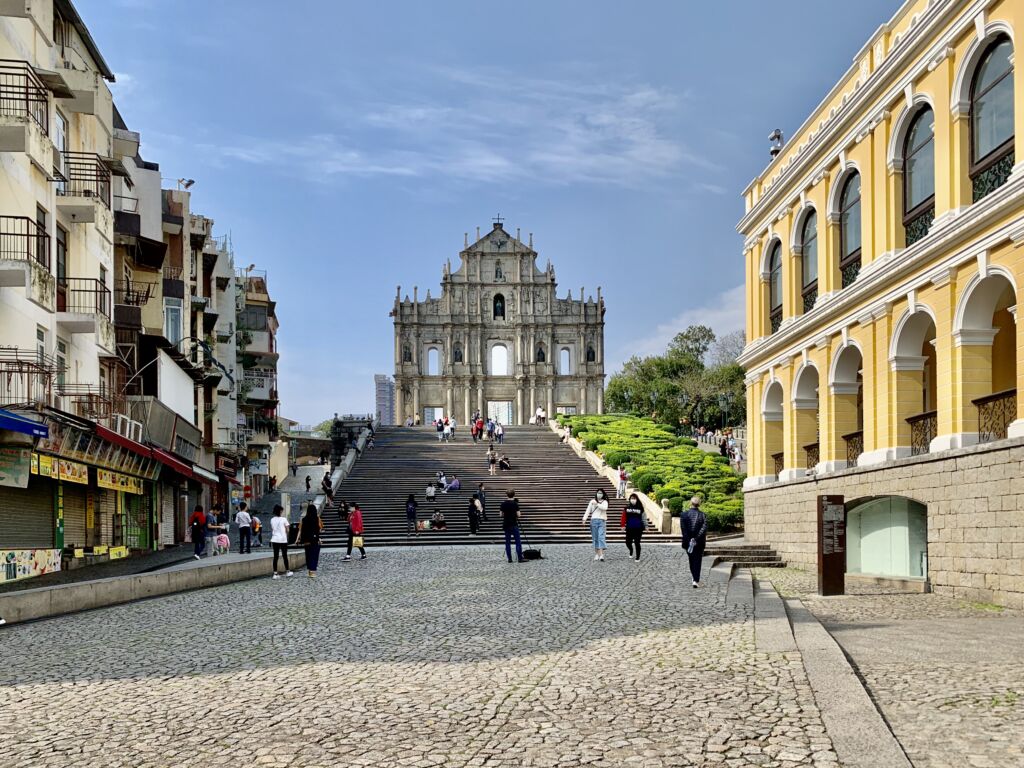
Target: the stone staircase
(552, 483)
(744, 555)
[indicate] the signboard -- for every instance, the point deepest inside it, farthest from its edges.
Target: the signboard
(831, 545)
(72, 472)
(117, 553)
(115, 481)
(226, 465)
(15, 466)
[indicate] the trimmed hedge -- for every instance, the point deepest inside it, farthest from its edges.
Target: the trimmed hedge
(669, 468)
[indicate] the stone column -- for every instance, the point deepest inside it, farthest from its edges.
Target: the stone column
(480, 399)
(416, 400)
(519, 404)
(469, 403)
(399, 403)
(449, 402)
(583, 399)
(600, 398)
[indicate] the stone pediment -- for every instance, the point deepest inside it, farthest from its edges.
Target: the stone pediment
(499, 241)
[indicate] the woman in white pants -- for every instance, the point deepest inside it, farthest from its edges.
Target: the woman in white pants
(597, 513)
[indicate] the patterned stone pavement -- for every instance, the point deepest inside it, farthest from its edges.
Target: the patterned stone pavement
(947, 675)
(415, 658)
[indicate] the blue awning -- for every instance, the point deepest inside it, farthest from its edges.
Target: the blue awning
(17, 423)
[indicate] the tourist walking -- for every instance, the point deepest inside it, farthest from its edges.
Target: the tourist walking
(327, 487)
(244, 522)
(309, 482)
(623, 478)
(634, 523)
(474, 515)
(439, 426)
(197, 529)
(499, 432)
(257, 531)
(597, 514)
(410, 515)
(454, 425)
(482, 495)
(310, 528)
(510, 519)
(213, 527)
(446, 431)
(279, 539)
(694, 526)
(355, 533)
(492, 461)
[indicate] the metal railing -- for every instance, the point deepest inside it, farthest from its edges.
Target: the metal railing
(92, 401)
(995, 412)
(85, 175)
(27, 376)
(813, 455)
(22, 93)
(172, 272)
(924, 427)
(22, 239)
(854, 447)
(85, 295)
(780, 462)
(135, 293)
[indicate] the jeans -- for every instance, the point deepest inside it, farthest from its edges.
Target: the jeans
(622, 489)
(199, 544)
(474, 523)
(410, 525)
(633, 536)
(312, 557)
(244, 540)
(362, 550)
(501, 439)
(509, 534)
(211, 544)
(280, 549)
(597, 530)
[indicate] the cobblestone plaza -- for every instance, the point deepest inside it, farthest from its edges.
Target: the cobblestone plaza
(415, 658)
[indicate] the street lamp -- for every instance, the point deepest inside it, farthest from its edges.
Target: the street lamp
(654, 402)
(723, 404)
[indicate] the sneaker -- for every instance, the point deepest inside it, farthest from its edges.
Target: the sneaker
(695, 585)
(347, 557)
(2, 621)
(312, 574)
(596, 558)
(276, 576)
(601, 558)
(290, 573)
(197, 557)
(363, 557)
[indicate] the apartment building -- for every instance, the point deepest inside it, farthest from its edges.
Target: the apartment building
(384, 396)
(882, 248)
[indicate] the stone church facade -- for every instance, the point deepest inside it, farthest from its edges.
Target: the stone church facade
(498, 340)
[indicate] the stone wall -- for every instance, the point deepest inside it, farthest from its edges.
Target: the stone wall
(975, 501)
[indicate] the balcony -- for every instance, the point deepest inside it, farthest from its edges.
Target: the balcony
(88, 96)
(924, 427)
(813, 456)
(91, 401)
(25, 113)
(40, 14)
(84, 191)
(854, 447)
(25, 260)
(130, 296)
(27, 376)
(260, 343)
(995, 413)
(83, 306)
(260, 385)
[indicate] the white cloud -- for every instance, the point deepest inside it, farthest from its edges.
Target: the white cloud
(724, 313)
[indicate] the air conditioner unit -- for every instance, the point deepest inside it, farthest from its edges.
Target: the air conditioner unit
(128, 428)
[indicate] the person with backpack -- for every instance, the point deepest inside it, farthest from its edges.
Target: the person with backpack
(410, 516)
(634, 523)
(510, 519)
(474, 515)
(355, 533)
(597, 513)
(310, 528)
(257, 531)
(694, 526)
(244, 522)
(197, 529)
(279, 539)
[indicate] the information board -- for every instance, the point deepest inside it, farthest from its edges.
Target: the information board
(831, 545)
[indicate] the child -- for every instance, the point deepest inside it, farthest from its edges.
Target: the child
(257, 531)
(223, 544)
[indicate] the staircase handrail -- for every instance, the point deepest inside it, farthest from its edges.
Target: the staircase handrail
(344, 469)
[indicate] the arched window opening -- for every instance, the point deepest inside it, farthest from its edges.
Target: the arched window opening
(849, 230)
(914, 366)
(919, 176)
(992, 135)
(887, 536)
(591, 355)
(499, 360)
(775, 288)
(406, 354)
(433, 362)
(457, 353)
(564, 361)
(772, 417)
(809, 260)
(541, 356)
(499, 306)
(805, 405)
(847, 391)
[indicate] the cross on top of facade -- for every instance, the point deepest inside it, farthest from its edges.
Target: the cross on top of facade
(498, 219)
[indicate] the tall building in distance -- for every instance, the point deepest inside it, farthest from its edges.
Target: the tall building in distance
(498, 340)
(384, 387)
(883, 261)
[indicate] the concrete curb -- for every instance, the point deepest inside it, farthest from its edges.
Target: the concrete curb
(45, 602)
(859, 734)
(772, 633)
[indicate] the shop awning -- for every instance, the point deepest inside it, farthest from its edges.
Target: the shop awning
(168, 460)
(17, 423)
(124, 442)
(204, 475)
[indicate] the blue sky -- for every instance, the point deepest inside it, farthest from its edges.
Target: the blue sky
(347, 146)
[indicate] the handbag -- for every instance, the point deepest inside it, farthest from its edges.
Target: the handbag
(357, 541)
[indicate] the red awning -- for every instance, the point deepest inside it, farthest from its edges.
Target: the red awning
(124, 442)
(176, 464)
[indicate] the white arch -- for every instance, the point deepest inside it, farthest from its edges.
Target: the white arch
(803, 394)
(972, 318)
(772, 400)
(908, 324)
(837, 189)
(796, 241)
(433, 361)
(960, 98)
(499, 360)
(565, 361)
(766, 253)
(898, 139)
(839, 377)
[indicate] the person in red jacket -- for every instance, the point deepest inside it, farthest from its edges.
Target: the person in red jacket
(197, 529)
(355, 528)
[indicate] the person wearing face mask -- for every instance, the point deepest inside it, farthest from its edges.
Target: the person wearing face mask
(633, 522)
(597, 513)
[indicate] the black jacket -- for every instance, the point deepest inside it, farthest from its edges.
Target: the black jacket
(694, 525)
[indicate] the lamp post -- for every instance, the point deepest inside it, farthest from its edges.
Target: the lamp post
(684, 400)
(722, 406)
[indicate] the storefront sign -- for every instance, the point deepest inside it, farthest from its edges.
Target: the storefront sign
(118, 553)
(24, 563)
(15, 466)
(81, 445)
(72, 472)
(115, 481)
(831, 545)
(226, 465)
(43, 465)
(99, 550)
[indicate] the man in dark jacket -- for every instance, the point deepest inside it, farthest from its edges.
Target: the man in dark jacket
(694, 526)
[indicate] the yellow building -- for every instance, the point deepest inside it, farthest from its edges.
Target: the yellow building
(883, 261)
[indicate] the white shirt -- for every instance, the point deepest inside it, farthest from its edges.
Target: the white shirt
(243, 519)
(599, 510)
(279, 530)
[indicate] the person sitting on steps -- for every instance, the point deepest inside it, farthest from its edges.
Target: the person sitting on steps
(504, 463)
(437, 521)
